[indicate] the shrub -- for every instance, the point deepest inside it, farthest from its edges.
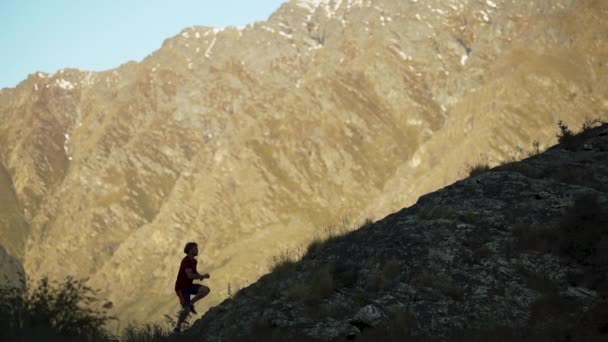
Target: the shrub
(478, 169)
(571, 140)
(52, 312)
(535, 149)
(315, 245)
(590, 124)
(565, 136)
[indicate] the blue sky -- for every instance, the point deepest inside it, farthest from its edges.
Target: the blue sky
(48, 35)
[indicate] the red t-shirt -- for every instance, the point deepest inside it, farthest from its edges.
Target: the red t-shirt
(183, 282)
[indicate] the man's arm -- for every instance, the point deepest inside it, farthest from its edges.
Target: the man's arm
(196, 275)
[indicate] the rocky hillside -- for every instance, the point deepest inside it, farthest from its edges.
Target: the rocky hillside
(249, 140)
(522, 247)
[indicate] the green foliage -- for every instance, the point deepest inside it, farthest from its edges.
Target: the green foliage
(52, 312)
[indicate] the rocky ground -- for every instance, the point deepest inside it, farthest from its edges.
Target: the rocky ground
(522, 246)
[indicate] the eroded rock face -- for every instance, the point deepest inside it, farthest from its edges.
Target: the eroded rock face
(463, 257)
(249, 140)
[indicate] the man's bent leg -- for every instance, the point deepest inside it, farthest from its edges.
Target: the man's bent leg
(203, 291)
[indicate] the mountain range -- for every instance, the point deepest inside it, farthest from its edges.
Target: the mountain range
(253, 140)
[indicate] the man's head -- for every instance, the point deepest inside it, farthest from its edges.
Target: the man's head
(191, 249)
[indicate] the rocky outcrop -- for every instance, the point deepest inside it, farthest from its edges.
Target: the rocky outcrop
(511, 247)
(250, 140)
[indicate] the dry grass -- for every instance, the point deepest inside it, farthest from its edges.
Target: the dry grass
(284, 262)
(320, 285)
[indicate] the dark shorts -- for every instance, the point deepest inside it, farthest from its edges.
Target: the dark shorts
(184, 294)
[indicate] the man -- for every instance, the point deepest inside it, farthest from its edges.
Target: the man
(184, 286)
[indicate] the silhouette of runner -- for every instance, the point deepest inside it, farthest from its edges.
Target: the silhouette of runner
(184, 286)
